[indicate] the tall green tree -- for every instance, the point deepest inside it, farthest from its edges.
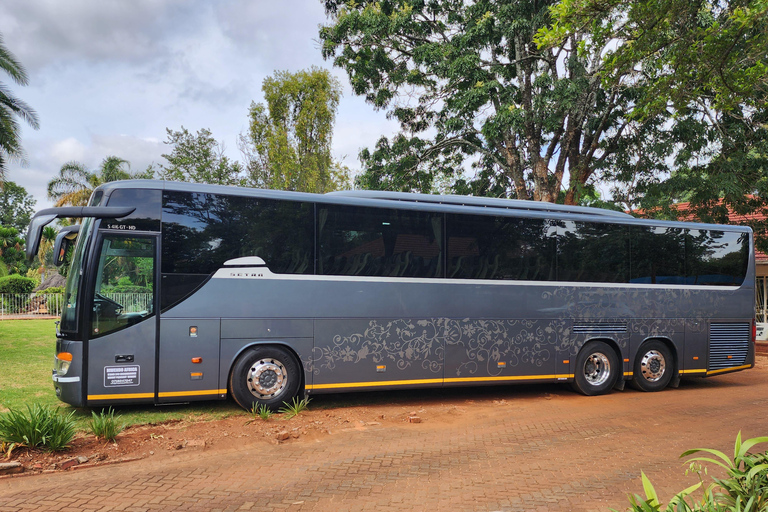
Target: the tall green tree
(472, 92)
(16, 206)
(12, 250)
(75, 183)
(706, 63)
(199, 158)
(12, 109)
(288, 146)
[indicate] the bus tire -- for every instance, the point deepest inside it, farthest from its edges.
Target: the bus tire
(654, 367)
(265, 375)
(597, 368)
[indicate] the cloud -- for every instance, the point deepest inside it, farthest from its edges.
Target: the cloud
(47, 156)
(50, 33)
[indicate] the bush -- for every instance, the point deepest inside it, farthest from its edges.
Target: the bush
(104, 425)
(17, 284)
(41, 427)
(52, 289)
(744, 490)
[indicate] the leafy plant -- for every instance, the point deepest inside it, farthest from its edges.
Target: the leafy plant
(295, 407)
(42, 426)
(52, 289)
(262, 411)
(105, 425)
(744, 490)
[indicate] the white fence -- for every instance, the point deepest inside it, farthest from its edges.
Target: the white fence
(41, 305)
(30, 305)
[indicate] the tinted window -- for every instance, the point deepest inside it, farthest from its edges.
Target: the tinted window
(202, 231)
(658, 255)
(486, 247)
(379, 242)
(592, 252)
(147, 214)
(716, 257)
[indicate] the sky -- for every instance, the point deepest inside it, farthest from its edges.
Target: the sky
(108, 77)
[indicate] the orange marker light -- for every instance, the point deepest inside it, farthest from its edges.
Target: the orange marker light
(626, 360)
(197, 360)
(695, 358)
(730, 357)
(64, 356)
(566, 361)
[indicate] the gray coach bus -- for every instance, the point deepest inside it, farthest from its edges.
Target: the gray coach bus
(180, 292)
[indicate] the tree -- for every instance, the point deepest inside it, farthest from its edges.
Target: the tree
(16, 206)
(199, 158)
(75, 183)
(706, 62)
(288, 146)
(12, 108)
(12, 250)
(471, 89)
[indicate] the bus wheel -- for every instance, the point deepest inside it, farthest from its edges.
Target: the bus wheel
(265, 375)
(653, 367)
(597, 368)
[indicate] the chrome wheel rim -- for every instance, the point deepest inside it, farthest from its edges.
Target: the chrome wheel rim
(653, 366)
(597, 369)
(267, 378)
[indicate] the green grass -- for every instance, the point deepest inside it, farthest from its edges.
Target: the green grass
(26, 359)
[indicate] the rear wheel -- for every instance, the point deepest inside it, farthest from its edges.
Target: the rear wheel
(653, 367)
(597, 368)
(265, 375)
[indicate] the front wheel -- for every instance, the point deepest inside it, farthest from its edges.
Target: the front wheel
(653, 367)
(597, 368)
(265, 375)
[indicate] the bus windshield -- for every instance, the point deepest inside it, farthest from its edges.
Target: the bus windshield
(71, 292)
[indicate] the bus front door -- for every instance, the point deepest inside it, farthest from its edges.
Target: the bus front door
(122, 322)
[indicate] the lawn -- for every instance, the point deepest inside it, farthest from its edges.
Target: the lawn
(26, 359)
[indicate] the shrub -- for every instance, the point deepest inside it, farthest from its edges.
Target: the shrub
(744, 490)
(104, 425)
(41, 427)
(17, 284)
(52, 289)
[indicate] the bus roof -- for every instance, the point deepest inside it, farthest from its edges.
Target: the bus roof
(487, 202)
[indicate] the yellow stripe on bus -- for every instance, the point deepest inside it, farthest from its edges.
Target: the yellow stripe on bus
(509, 378)
(123, 396)
(370, 384)
(732, 369)
(167, 394)
(339, 385)
(697, 370)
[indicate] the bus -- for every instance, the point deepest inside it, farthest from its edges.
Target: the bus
(180, 292)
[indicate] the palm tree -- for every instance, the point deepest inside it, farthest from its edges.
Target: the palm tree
(11, 108)
(75, 183)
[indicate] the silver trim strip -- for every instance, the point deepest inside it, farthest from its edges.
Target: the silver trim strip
(56, 378)
(265, 273)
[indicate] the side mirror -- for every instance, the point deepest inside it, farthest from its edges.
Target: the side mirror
(66, 236)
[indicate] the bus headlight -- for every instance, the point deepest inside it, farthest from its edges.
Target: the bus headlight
(63, 360)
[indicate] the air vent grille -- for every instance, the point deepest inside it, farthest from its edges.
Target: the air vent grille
(728, 344)
(599, 327)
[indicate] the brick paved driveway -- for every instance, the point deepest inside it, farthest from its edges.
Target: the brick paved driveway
(541, 449)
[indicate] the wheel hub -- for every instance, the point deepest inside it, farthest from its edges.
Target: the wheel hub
(597, 369)
(653, 366)
(267, 378)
